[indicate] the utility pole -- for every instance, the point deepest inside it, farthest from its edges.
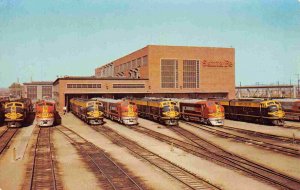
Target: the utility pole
(298, 80)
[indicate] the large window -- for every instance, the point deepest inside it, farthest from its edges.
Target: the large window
(169, 73)
(190, 74)
(32, 92)
(47, 91)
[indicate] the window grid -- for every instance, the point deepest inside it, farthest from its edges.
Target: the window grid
(128, 85)
(83, 85)
(169, 73)
(47, 91)
(32, 92)
(190, 74)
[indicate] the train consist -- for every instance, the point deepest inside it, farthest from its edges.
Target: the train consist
(88, 110)
(2, 102)
(204, 111)
(254, 110)
(160, 110)
(123, 111)
(17, 111)
(291, 107)
(46, 113)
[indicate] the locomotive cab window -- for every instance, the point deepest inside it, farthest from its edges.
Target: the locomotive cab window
(18, 105)
(9, 105)
(90, 108)
(210, 103)
(273, 108)
(166, 108)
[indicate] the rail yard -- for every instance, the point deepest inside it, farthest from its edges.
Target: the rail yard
(147, 122)
(150, 154)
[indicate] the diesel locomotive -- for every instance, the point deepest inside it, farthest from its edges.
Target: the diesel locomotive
(123, 111)
(88, 110)
(45, 113)
(204, 111)
(160, 110)
(254, 110)
(17, 111)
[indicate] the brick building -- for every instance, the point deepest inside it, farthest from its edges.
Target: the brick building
(178, 70)
(37, 90)
(161, 71)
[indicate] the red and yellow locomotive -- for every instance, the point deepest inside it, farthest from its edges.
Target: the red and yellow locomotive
(45, 113)
(204, 111)
(122, 111)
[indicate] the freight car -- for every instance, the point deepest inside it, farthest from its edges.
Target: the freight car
(204, 111)
(254, 110)
(122, 111)
(17, 111)
(161, 110)
(45, 113)
(88, 110)
(291, 107)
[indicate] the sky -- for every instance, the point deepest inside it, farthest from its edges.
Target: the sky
(41, 40)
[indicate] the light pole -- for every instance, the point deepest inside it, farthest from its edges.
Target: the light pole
(298, 80)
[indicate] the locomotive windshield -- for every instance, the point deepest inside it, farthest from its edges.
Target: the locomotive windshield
(210, 104)
(273, 108)
(91, 108)
(167, 108)
(9, 105)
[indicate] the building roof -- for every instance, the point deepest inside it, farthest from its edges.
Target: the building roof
(92, 78)
(39, 83)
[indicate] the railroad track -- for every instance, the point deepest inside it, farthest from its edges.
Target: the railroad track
(5, 138)
(291, 127)
(256, 139)
(292, 140)
(189, 179)
(243, 164)
(112, 175)
(204, 149)
(43, 174)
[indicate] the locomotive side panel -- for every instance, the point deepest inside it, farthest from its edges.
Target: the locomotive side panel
(121, 111)
(266, 112)
(203, 111)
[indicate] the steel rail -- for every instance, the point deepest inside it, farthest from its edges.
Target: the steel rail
(223, 157)
(6, 137)
(36, 178)
(277, 177)
(270, 146)
(264, 135)
(111, 182)
(188, 178)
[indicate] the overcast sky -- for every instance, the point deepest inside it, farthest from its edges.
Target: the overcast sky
(44, 39)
